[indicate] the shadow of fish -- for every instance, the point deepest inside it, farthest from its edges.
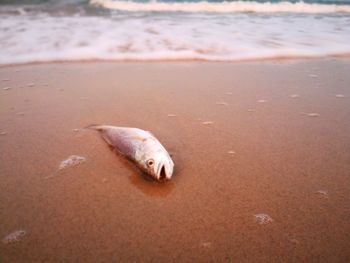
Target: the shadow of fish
(141, 147)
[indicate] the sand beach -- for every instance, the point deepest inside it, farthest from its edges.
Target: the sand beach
(261, 152)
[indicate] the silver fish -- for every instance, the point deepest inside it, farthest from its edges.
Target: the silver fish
(141, 147)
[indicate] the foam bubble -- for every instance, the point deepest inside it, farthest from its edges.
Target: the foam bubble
(72, 160)
(207, 244)
(322, 192)
(221, 103)
(293, 240)
(207, 122)
(263, 219)
(14, 237)
(339, 96)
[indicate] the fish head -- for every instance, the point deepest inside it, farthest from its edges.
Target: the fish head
(158, 164)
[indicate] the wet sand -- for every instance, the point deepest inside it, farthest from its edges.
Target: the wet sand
(261, 151)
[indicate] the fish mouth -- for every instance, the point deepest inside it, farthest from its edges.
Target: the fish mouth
(163, 172)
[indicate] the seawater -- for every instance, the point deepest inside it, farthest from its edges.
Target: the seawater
(71, 30)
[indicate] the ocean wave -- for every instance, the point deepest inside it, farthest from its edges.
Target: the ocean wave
(44, 38)
(222, 7)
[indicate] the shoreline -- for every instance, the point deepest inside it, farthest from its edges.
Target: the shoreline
(261, 153)
(288, 59)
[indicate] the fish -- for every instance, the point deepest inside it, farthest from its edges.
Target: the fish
(141, 147)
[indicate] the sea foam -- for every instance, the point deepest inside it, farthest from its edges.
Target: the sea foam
(14, 237)
(222, 7)
(71, 161)
(120, 36)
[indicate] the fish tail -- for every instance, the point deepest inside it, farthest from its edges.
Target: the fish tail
(94, 127)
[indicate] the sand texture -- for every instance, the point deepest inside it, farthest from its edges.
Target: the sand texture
(261, 152)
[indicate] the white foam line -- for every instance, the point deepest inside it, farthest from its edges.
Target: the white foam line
(223, 7)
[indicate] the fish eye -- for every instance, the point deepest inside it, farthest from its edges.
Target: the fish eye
(150, 163)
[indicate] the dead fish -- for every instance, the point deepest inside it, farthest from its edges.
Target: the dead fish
(141, 147)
